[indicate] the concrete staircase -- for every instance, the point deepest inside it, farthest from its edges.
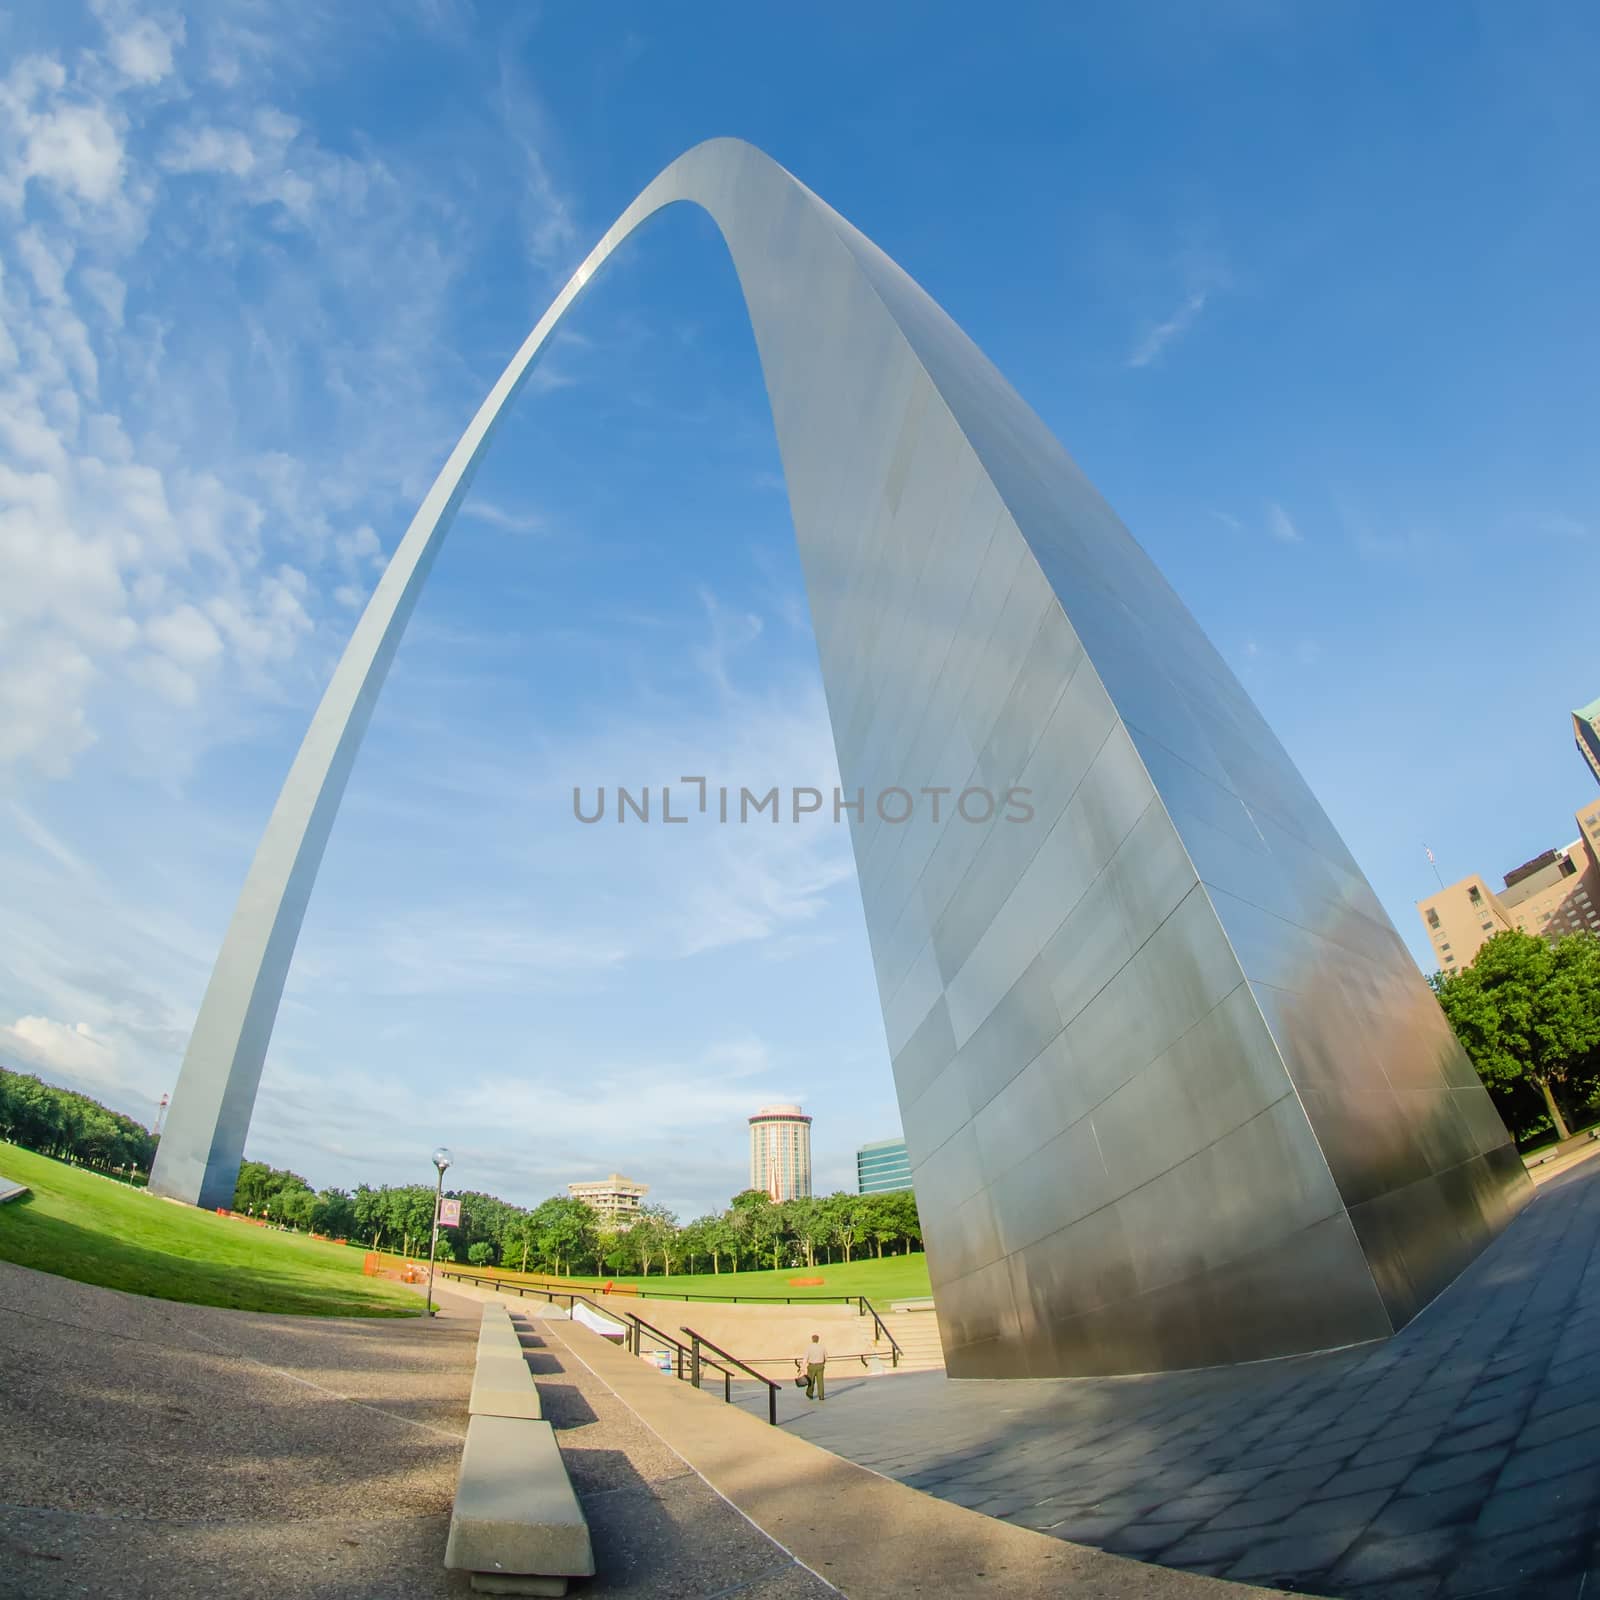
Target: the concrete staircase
(917, 1334)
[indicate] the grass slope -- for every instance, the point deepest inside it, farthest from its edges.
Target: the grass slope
(893, 1278)
(79, 1225)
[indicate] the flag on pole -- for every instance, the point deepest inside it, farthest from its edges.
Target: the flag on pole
(1427, 852)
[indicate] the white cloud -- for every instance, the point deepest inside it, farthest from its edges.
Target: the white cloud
(525, 1140)
(1280, 526)
(208, 149)
(51, 135)
(187, 636)
(498, 517)
(71, 1049)
(142, 51)
(134, 550)
(1156, 339)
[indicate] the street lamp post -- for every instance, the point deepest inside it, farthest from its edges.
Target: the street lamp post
(441, 1160)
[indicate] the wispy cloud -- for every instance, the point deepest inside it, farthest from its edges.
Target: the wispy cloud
(1281, 526)
(1162, 334)
(498, 517)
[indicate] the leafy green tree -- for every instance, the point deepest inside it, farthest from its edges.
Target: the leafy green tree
(809, 1223)
(751, 1223)
(481, 1254)
(70, 1126)
(714, 1236)
(880, 1220)
(1529, 1011)
(334, 1214)
(563, 1234)
(901, 1205)
(651, 1235)
(846, 1218)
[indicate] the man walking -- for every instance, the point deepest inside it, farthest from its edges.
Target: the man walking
(815, 1361)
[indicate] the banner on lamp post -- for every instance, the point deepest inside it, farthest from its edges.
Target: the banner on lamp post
(449, 1213)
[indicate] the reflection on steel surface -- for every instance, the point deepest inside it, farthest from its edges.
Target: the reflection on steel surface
(1173, 1090)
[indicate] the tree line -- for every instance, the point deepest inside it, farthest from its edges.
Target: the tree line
(563, 1235)
(560, 1235)
(1527, 1012)
(71, 1126)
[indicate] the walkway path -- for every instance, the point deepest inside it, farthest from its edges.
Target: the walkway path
(150, 1449)
(157, 1451)
(1460, 1458)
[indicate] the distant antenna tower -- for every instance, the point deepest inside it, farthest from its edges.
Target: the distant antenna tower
(161, 1112)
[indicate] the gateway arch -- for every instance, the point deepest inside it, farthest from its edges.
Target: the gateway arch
(1173, 1089)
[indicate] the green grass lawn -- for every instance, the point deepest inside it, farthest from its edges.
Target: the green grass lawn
(893, 1278)
(83, 1226)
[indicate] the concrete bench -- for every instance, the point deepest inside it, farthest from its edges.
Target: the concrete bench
(502, 1386)
(516, 1525)
(498, 1336)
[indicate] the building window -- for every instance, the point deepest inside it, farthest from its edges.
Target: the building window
(1444, 947)
(1474, 896)
(1433, 919)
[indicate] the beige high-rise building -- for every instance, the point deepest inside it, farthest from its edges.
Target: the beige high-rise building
(780, 1152)
(1555, 893)
(615, 1200)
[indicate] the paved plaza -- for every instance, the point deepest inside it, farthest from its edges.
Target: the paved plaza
(157, 1451)
(1460, 1458)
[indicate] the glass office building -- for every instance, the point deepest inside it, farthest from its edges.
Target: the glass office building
(882, 1166)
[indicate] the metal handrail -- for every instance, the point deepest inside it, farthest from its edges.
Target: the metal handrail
(631, 1334)
(864, 1307)
(880, 1329)
(738, 1299)
(698, 1339)
(641, 1326)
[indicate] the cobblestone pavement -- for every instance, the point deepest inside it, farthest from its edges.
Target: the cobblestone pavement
(1460, 1458)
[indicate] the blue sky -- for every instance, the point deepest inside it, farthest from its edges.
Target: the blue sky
(1309, 293)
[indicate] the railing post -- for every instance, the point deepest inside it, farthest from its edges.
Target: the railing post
(694, 1360)
(727, 1387)
(772, 1405)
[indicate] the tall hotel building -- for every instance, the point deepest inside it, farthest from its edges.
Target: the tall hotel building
(780, 1152)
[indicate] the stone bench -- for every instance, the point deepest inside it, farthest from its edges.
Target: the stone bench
(516, 1526)
(495, 1335)
(502, 1386)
